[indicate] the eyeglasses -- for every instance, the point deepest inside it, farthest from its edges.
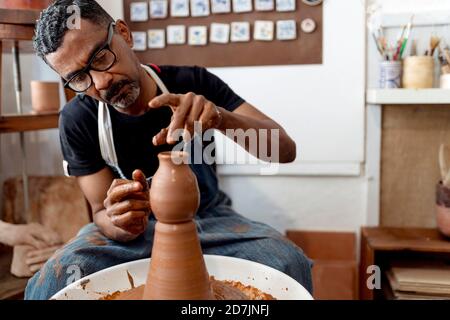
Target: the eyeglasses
(102, 60)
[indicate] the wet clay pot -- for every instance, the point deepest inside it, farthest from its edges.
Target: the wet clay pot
(177, 269)
(443, 209)
(25, 4)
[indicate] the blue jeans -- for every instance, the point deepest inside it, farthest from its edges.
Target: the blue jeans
(221, 231)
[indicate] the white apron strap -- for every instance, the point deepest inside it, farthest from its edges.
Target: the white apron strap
(105, 131)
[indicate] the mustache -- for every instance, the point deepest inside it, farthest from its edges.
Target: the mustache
(115, 89)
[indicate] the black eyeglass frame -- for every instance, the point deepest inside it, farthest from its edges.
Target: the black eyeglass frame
(106, 46)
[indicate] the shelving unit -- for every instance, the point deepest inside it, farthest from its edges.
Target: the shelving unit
(381, 246)
(15, 26)
(408, 96)
(31, 122)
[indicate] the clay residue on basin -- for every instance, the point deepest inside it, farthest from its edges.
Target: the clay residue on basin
(223, 290)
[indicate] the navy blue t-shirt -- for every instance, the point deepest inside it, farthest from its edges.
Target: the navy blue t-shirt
(133, 134)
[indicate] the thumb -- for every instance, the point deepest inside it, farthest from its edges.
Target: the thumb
(139, 176)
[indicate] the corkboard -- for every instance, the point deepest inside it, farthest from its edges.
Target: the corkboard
(411, 137)
(306, 49)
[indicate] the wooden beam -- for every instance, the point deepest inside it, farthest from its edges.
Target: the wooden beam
(22, 17)
(22, 123)
(16, 32)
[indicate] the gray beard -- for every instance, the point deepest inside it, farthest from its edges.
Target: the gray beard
(126, 101)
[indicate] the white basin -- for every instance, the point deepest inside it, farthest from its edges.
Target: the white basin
(113, 279)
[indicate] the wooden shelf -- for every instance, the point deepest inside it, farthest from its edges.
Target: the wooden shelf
(30, 122)
(408, 96)
(381, 246)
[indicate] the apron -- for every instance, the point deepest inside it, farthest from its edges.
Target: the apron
(105, 133)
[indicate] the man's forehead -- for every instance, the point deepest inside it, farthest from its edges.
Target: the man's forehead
(76, 48)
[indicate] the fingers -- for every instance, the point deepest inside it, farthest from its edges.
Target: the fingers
(161, 137)
(32, 241)
(115, 183)
(127, 206)
(179, 117)
(122, 191)
(40, 256)
(210, 116)
(45, 234)
(133, 221)
(194, 114)
(139, 176)
(165, 99)
(36, 268)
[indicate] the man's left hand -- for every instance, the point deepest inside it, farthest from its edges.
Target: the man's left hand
(187, 109)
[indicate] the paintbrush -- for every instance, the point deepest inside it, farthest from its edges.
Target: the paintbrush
(406, 38)
(434, 43)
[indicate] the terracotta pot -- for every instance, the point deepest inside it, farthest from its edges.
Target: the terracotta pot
(443, 209)
(45, 97)
(177, 269)
(25, 4)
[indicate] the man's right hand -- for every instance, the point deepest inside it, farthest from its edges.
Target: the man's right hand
(127, 206)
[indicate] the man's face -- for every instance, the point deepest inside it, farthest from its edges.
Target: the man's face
(118, 86)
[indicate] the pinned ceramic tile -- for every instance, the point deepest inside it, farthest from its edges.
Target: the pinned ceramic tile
(264, 5)
(308, 25)
(220, 6)
(139, 41)
(242, 6)
(156, 38)
(285, 5)
(199, 8)
(240, 31)
(286, 30)
(179, 8)
(158, 9)
(176, 34)
(263, 30)
(139, 11)
(198, 35)
(219, 33)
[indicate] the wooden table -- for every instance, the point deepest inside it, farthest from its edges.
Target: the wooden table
(381, 246)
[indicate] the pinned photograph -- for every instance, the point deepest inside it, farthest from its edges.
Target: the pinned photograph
(240, 31)
(199, 8)
(198, 36)
(220, 6)
(158, 9)
(242, 6)
(139, 11)
(286, 30)
(219, 33)
(264, 5)
(139, 41)
(176, 34)
(179, 8)
(263, 30)
(156, 38)
(285, 5)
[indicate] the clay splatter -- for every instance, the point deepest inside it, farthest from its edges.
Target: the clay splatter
(84, 283)
(96, 238)
(241, 228)
(130, 278)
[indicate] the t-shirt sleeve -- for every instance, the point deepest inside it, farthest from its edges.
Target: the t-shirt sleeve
(79, 145)
(216, 90)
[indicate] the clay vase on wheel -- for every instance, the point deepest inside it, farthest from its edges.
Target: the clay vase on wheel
(177, 269)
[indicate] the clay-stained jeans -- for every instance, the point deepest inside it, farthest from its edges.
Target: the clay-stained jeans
(221, 230)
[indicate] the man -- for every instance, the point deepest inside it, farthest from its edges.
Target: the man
(111, 135)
